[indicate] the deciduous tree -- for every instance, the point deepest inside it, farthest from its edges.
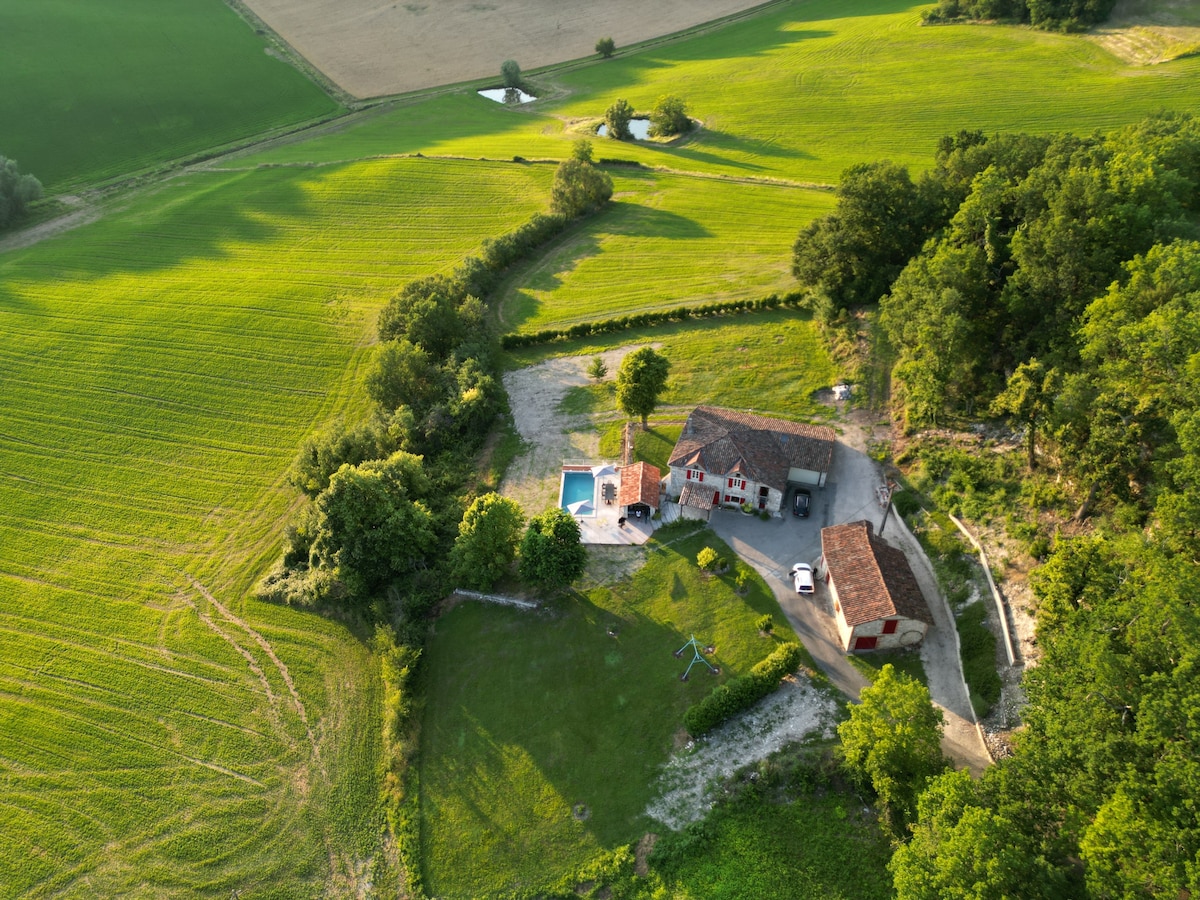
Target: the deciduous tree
(640, 380)
(892, 742)
(17, 191)
(606, 47)
(552, 555)
(487, 540)
(616, 120)
(669, 117)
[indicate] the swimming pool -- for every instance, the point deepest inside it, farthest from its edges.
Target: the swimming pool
(578, 486)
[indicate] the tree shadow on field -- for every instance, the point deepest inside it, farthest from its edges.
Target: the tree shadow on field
(195, 218)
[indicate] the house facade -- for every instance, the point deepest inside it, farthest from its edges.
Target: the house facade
(725, 458)
(877, 602)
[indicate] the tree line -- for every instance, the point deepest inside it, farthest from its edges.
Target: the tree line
(1055, 280)
(1051, 15)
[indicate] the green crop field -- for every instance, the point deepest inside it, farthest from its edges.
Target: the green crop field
(160, 368)
(105, 88)
(533, 717)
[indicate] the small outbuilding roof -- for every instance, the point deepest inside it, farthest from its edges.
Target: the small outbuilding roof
(639, 484)
(873, 579)
(696, 496)
(724, 441)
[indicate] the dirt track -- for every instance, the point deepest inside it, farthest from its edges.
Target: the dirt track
(371, 48)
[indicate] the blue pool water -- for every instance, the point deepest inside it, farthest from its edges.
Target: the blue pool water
(577, 486)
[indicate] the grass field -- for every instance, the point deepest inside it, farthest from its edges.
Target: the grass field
(800, 93)
(160, 368)
(770, 363)
(530, 715)
(667, 241)
(94, 90)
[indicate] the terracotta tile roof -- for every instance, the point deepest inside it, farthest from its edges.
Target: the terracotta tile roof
(639, 484)
(873, 579)
(724, 441)
(696, 495)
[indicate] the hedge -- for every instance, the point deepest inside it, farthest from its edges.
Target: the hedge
(741, 693)
(793, 299)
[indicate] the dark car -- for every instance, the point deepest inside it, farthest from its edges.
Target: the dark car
(801, 502)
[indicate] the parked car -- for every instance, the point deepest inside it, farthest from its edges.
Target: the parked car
(802, 576)
(801, 503)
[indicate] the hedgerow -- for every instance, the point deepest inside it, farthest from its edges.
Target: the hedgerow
(741, 693)
(514, 340)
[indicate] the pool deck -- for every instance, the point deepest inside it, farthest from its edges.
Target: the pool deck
(602, 528)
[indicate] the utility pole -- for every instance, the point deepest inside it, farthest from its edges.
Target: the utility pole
(888, 491)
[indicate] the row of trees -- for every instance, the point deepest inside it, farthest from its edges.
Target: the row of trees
(1055, 15)
(384, 513)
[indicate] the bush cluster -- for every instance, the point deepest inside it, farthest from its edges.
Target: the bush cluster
(741, 693)
(793, 299)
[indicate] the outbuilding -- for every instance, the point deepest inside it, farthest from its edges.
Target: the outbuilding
(877, 602)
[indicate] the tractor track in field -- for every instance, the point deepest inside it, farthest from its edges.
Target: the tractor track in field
(231, 618)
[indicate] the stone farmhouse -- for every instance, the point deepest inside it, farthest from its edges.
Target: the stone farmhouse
(725, 458)
(877, 602)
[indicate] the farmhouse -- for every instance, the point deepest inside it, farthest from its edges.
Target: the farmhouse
(727, 458)
(877, 602)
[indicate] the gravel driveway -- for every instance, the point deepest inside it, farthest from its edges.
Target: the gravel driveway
(773, 547)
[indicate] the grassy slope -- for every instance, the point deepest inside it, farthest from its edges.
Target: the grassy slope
(801, 93)
(97, 89)
(770, 363)
(529, 715)
(667, 240)
(160, 367)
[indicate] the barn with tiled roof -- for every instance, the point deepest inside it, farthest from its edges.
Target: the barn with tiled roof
(877, 601)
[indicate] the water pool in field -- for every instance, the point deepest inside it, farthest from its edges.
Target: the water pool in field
(638, 128)
(576, 487)
(508, 96)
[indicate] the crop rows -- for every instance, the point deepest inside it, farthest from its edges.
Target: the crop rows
(160, 369)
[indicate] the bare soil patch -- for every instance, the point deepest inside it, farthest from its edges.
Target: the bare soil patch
(534, 394)
(373, 49)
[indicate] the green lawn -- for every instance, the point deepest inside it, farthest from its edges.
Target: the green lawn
(666, 241)
(800, 93)
(529, 715)
(109, 87)
(769, 363)
(160, 368)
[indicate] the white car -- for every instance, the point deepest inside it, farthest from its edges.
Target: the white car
(802, 575)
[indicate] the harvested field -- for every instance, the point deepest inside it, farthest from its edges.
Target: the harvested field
(372, 49)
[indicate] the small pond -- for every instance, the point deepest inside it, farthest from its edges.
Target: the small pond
(510, 96)
(639, 128)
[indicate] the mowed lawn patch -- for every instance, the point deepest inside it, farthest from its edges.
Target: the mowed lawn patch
(543, 733)
(94, 90)
(160, 369)
(667, 240)
(770, 363)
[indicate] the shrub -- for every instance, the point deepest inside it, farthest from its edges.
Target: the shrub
(765, 623)
(616, 119)
(669, 117)
(510, 72)
(707, 559)
(738, 694)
